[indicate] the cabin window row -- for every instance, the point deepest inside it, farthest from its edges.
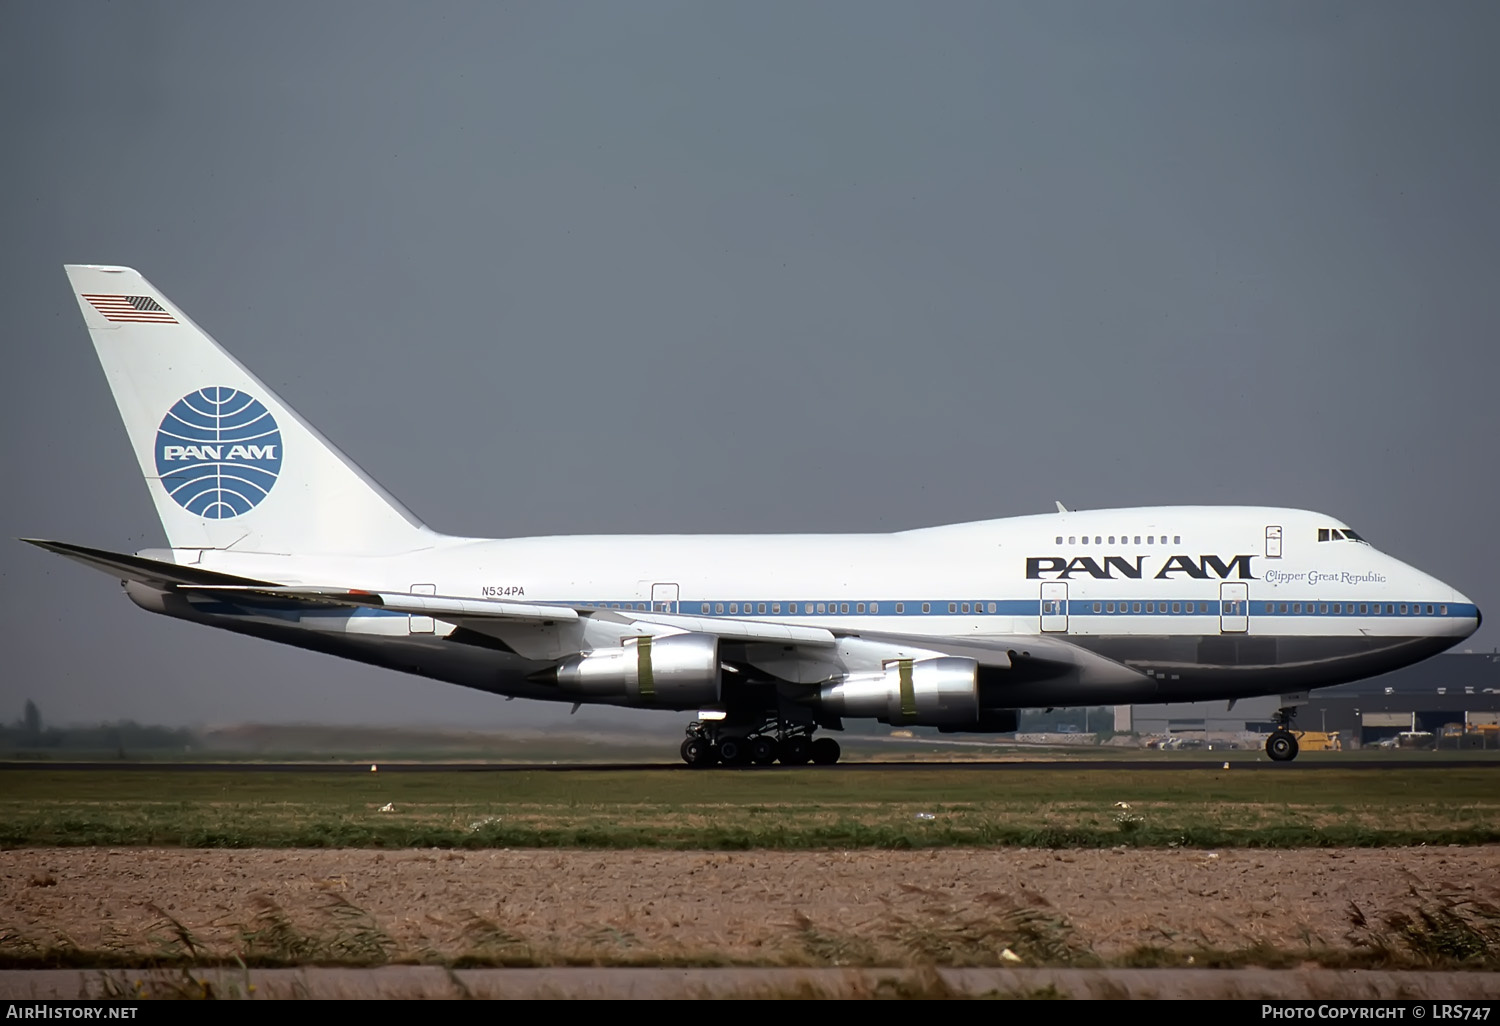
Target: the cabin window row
(1148, 607)
(774, 608)
(1315, 608)
(1358, 609)
(1124, 539)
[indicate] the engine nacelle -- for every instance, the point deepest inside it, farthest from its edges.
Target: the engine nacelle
(679, 671)
(922, 692)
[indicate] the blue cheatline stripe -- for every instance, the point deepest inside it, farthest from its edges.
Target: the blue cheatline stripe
(1032, 607)
(922, 608)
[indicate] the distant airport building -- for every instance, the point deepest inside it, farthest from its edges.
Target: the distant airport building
(1461, 688)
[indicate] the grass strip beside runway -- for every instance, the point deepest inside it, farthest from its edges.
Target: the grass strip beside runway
(799, 809)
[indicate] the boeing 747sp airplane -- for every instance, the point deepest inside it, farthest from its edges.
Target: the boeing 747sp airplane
(273, 532)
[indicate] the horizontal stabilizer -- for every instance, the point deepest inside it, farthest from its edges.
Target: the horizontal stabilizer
(139, 568)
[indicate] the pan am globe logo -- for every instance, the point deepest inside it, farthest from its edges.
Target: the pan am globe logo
(218, 452)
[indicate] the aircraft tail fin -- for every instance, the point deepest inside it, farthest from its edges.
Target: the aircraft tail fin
(229, 465)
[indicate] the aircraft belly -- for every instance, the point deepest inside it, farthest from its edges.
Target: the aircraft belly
(1218, 665)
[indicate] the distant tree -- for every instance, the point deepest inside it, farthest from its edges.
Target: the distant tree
(31, 719)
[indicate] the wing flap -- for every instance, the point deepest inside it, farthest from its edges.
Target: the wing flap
(732, 630)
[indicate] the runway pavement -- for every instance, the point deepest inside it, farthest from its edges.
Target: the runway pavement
(998, 766)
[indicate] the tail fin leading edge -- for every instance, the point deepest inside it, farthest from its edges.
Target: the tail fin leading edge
(228, 463)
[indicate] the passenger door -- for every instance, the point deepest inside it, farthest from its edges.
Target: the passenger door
(1273, 542)
(664, 598)
(421, 624)
(1234, 607)
(1055, 606)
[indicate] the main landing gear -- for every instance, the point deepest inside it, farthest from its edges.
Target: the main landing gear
(714, 742)
(1281, 746)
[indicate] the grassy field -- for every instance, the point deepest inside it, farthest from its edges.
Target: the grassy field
(801, 809)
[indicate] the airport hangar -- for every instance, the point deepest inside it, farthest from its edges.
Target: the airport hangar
(1459, 687)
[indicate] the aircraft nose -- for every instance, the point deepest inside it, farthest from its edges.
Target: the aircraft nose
(1463, 599)
(1469, 616)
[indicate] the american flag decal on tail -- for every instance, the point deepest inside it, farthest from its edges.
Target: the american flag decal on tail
(141, 309)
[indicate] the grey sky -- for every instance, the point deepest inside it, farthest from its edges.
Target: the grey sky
(753, 267)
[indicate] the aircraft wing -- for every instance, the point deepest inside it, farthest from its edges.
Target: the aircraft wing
(476, 613)
(1025, 655)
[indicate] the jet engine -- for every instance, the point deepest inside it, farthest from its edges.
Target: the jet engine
(923, 692)
(680, 671)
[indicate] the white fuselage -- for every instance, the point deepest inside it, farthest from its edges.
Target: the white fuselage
(1225, 600)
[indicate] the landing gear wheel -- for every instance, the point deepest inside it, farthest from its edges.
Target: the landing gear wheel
(762, 751)
(825, 751)
(1281, 746)
(698, 753)
(734, 751)
(795, 751)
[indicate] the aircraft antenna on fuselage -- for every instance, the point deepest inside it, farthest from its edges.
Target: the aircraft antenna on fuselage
(1060, 507)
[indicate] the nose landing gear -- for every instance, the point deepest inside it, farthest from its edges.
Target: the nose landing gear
(1281, 745)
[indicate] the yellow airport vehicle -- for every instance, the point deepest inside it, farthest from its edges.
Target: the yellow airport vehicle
(1319, 741)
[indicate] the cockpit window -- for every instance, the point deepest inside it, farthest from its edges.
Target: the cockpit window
(1338, 534)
